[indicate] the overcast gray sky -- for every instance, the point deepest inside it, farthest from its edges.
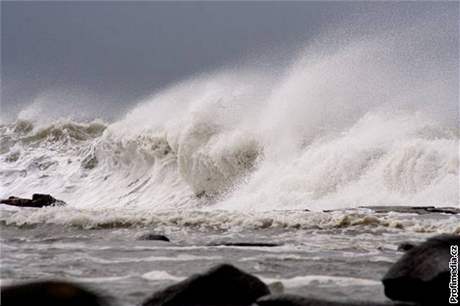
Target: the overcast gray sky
(121, 51)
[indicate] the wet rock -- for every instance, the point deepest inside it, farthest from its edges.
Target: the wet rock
(222, 285)
(422, 274)
(421, 210)
(153, 237)
(38, 200)
(245, 244)
(295, 300)
(50, 293)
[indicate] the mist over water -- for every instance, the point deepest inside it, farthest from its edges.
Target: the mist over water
(352, 120)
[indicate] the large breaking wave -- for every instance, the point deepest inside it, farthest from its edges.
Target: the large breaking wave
(372, 122)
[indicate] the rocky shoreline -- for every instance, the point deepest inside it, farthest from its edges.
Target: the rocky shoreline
(38, 200)
(420, 277)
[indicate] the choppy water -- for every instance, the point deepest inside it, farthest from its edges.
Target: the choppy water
(344, 256)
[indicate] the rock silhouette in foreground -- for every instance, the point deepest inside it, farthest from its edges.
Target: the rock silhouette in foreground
(49, 293)
(222, 285)
(296, 300)
(422, 274)
(38, 200)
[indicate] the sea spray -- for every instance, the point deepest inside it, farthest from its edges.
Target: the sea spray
(373, 122)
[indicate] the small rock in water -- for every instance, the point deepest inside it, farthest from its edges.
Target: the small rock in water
(222, 285)
(153, 237)
(49, 293)
(38, 200)
(245, 244)
(422, 274)
(295, 300)
(421, 210)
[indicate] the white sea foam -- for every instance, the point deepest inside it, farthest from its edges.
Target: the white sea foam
(161, 276)
(180, 257)
(223, 220)
(107, 279)
(323, 280)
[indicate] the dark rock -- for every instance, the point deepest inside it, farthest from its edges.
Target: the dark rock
(46, 199)
(406, 246)
(422, 274)
(245, 244)
(295, 300)
(421, 210)
(153, 236)
(50, 293)
(223, 285)
(38, 200)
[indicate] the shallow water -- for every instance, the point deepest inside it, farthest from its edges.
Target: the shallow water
(345, 261)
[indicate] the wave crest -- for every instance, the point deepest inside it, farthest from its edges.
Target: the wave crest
(371, 122)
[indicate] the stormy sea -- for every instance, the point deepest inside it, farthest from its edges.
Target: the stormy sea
(273, 171)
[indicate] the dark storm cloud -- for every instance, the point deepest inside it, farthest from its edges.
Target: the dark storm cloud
(124, 50)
